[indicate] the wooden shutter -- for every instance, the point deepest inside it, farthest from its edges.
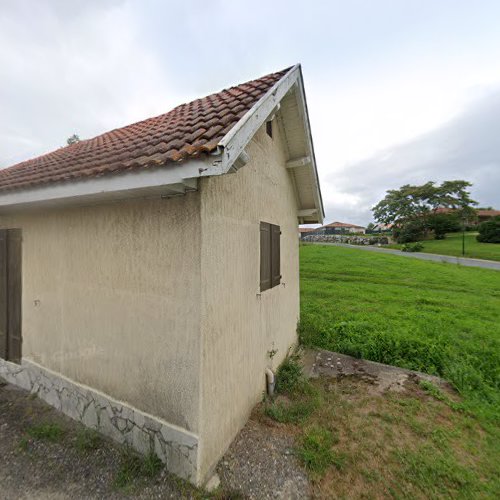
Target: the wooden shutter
(275, 255)
(265, 256)
(14, 297)
(3, 293)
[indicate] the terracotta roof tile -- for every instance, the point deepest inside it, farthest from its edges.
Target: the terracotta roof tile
(188, 131)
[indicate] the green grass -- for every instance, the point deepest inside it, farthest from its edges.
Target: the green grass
(135, 468)
(452, 245)
(316, 450)
(88, 440)
(355, 443)
(46, 431)
(437, 318)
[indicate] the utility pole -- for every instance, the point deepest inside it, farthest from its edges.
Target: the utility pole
(463, 236)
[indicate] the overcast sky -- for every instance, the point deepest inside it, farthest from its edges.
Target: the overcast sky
(398, 90)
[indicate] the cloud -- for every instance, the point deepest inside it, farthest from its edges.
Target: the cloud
(467, 147)
(65, 70)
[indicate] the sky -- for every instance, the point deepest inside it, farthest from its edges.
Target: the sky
(398, 91)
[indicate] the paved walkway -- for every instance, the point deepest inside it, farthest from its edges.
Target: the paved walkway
(463, 261)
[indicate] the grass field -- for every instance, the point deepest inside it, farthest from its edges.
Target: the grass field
(452, 245)
(437, 318)
(441, 319)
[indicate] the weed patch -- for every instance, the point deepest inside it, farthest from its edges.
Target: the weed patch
(87, 440)
(289, 375)
(316, 450)
(134, 468)
(46, 431)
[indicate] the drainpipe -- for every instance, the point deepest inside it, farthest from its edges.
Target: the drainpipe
(270, 378)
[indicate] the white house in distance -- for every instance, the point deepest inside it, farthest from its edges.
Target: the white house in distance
(340, 228)
(145, 274)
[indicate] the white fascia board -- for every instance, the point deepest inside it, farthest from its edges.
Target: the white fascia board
(235, 141)
(307, 128)
(169, 180)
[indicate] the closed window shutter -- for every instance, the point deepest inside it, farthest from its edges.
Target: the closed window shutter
(265, 256)
(3, 293)
(275, 255)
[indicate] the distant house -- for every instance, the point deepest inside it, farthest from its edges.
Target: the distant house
(483, 214)
(486, 214)
(306, 230)
(146, 274)
(382, 228)
(340, 228)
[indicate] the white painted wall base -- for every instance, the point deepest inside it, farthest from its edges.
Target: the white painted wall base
(175, 446)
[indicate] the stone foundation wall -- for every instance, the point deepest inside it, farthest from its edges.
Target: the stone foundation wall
(345, 238)
(176, 447)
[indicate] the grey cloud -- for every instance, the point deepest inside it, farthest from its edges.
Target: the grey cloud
(467, 147)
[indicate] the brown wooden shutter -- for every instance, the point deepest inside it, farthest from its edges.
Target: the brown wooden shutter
(14, 284)
(265, 256)
(3, 293)
(275, 255)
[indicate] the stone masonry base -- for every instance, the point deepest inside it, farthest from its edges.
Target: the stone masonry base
(175, 446)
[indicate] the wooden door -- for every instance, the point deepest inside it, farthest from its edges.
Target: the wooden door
(10, 294)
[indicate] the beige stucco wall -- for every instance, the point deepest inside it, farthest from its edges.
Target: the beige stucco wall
(240, 325)
(157, 303)
(111, 299)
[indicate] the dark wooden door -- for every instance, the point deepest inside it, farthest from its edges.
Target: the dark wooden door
(3, 293)
(10, 294)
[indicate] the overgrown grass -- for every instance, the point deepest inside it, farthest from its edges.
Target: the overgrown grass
(437, 318)
(452, 245)
(296, 397)
(47, 431)
(135, 468)
(87, 440)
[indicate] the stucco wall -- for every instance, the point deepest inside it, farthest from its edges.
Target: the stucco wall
(239, 325)
(111, 299)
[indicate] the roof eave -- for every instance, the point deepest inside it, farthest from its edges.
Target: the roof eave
(232, 146)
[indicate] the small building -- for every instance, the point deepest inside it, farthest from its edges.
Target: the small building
(147, 273)
(303, 231)
(340, 228)
(381, 228)
(482, 214)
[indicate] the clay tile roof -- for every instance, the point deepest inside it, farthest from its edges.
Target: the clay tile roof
(188, 131)
(342, 224)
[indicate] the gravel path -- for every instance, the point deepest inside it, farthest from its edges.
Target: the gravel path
(261, 463)
(37, 468)
(463, 261)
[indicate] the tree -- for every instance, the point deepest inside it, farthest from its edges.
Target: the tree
(73, 139)
(409, 202)
(444, 223)
(413, 205)
(370, 228)
(489, 231)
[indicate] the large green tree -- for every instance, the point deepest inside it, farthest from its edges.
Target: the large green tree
(412, 209)
(416, 202)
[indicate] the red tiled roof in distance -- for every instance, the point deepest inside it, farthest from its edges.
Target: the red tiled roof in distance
(188, 131)
(342, 224)
(479, 211)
